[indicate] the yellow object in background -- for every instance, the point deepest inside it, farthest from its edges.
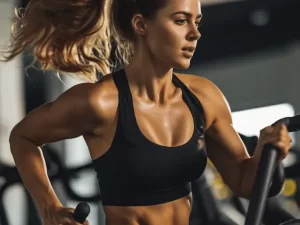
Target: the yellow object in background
(289, 188)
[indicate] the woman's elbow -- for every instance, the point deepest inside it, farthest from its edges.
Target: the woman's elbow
(240, 192)
(14, 134)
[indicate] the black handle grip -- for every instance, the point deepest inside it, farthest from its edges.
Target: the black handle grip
(261, 186)
(264, 175)
(81, 212)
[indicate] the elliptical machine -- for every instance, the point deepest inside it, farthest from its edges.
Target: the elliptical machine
(264, 176)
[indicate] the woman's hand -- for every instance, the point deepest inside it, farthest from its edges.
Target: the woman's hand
(276, 135)
(60, 216)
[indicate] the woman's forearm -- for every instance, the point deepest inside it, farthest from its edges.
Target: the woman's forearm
(250, 172)
(32, 169)
(248, 178)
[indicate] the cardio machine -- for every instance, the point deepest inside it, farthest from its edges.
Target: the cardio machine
(264, 176)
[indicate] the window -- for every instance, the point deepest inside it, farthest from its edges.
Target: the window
(250, 122)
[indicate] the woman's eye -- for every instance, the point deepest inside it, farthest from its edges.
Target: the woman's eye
(180, 22)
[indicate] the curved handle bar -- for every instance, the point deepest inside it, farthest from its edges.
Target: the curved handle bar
(261, 186)
(264, 175)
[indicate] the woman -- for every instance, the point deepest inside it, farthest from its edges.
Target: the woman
(149, 131)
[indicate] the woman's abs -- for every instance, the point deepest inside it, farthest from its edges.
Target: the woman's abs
(172, 213)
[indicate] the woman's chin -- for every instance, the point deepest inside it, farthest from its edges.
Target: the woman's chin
(182, 65)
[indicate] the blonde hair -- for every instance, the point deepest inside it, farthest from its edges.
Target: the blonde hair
(77, 36)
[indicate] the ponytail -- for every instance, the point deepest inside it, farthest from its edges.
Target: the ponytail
(71, 36)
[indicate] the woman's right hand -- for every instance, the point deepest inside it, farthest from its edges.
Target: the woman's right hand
(61, 216)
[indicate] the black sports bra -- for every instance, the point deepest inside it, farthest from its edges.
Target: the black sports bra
(137, 172)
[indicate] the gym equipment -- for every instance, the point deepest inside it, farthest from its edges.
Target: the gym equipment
(264, 175)
(275, 213)
(293, 172)
(59, 173)
(81, 212)
(206, 208)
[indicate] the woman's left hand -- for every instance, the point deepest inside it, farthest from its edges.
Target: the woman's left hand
(278, 136)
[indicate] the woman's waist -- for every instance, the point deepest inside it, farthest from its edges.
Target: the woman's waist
(176, 212)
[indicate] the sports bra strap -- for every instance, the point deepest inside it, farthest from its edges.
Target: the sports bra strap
(197, 109)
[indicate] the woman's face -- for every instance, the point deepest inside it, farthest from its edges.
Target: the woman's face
(171, 36)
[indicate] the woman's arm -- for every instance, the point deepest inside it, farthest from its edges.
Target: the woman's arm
(224, 145)
(74, 113)
(226, 151)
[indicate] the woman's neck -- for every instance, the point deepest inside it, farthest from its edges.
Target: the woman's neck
(150, 79)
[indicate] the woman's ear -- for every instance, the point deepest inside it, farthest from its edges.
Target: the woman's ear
(139, 24)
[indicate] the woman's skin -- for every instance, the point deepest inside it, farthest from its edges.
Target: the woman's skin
(90, 110)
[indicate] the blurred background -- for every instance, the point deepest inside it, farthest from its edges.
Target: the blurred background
(249, 48)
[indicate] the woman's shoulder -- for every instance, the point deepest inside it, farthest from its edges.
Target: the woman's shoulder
(210, 96)
(198, 84)
(105, 88)
(100, 97)
(102, 90)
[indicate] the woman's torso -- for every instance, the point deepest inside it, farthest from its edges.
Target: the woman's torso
(171, 213)
(167, 125)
